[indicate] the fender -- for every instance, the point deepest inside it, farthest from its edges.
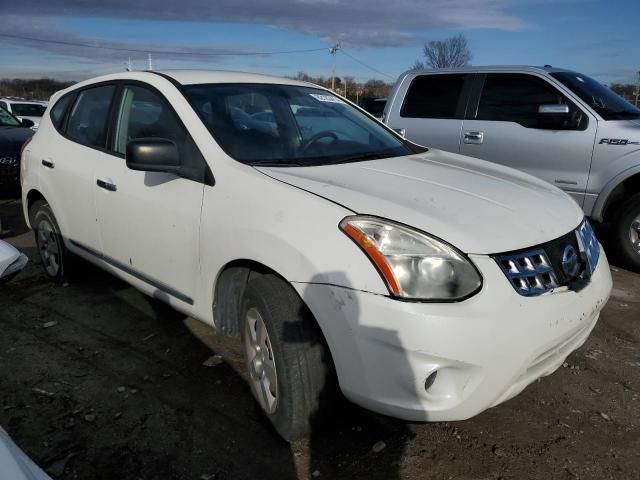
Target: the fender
(603, 197)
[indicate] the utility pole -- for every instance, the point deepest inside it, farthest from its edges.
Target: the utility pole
(129, 65)
(637, 92)
(333, 50)
(150, 66)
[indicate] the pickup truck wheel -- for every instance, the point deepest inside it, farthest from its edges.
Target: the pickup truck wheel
(627, 233)
(53, 253)
(289, 365)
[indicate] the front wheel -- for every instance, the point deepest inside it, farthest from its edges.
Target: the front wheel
(626, 226)
(289, 365)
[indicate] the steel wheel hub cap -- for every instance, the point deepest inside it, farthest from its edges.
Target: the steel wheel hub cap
(261, 361)
(49, 248)
(634, 234)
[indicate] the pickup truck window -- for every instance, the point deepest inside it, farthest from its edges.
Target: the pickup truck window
(603, 100)
(433, 96)
(516, 98)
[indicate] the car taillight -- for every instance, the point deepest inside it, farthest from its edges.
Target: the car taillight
(24, 145)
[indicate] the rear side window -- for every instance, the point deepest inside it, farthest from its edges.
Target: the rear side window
(433, 96)
(516, 98)
(59, 109)
(88, 118)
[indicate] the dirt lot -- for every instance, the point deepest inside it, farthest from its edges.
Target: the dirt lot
(98, 381)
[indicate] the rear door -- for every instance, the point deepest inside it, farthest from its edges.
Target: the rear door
(504, 126)
(67, 165)
(150, 221)
(432, 111)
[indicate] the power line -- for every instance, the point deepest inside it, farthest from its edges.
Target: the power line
(160, 52)
(366, 65)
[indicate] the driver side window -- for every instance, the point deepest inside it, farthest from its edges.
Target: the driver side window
(143, 113)
(517, 97)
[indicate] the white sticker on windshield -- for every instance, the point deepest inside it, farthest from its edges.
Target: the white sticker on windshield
(326, 98)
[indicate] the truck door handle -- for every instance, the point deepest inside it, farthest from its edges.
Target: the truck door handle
(48, 164)
(474, 137)
(106, 185)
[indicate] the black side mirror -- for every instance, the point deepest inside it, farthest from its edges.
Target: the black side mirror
(27, 123)
(153, 155)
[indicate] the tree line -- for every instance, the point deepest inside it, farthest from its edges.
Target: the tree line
(31, 89)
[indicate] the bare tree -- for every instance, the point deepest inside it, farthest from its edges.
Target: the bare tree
(448, 53)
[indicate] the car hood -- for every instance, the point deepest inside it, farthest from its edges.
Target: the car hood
(12, 138)
(477, 206)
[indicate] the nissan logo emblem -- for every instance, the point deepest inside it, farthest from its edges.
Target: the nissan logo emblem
(570, 261)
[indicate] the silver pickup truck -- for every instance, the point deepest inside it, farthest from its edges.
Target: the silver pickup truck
(559, 125)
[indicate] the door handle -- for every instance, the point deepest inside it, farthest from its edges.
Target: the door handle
(106, 185)
(48, 164)
(473, 137)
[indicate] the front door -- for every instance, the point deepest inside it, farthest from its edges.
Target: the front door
(149, 221)
(507, 129)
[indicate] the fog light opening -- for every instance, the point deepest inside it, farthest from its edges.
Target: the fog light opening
(429, 381)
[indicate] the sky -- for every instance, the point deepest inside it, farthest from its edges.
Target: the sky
(379, 39)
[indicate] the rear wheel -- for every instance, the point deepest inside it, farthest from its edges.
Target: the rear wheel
(626, 232)
(290, 368)
(51, 248)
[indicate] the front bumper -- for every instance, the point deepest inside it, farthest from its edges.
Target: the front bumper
(485, 349)
(9, 176)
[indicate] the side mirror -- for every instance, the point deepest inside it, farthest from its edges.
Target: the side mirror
(27, 123)
(557, 117)
(554, 110)
(153, 155)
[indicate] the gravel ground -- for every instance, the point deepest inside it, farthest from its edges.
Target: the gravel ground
(98, 381)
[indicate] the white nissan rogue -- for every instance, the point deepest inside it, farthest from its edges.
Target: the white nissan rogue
(427, 285)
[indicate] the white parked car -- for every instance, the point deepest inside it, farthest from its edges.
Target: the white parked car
(11, 261)
(31, 111)
(15, 464)
(434, 286)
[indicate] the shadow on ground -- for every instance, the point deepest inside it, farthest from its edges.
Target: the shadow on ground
(99, 381)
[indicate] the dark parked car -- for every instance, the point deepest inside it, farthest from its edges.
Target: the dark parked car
(13, 134)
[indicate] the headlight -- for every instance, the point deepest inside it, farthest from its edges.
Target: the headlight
(414, 265)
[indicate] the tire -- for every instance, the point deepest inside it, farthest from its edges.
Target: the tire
(49, 241)
(626, 233)
(290, 369)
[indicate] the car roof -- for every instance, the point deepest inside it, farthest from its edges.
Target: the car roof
(194, 77)
(491, 68)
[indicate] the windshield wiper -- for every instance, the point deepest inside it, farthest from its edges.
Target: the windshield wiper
(274, 163)
(363, 157)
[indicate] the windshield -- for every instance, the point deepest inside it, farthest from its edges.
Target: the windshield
(8, 120)
(603, 100)
(285, 125)
(28, 109)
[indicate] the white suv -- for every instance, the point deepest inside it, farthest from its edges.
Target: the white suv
(28, 112)
(431, 286)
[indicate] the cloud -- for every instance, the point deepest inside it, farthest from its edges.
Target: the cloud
(355, 22)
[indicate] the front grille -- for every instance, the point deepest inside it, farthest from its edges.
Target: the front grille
(529, 272)
(567, 261)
